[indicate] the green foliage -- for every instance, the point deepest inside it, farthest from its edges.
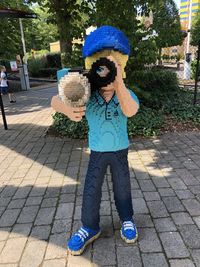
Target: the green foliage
(154, 86)
(147, 122)
(75, 59)
(166, 23)
(53, 60)
(68, 128)
(35, 65)
(193, 69)
(195, 32)
(39, 33)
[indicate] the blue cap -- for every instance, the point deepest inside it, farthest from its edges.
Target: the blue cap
(106, 37)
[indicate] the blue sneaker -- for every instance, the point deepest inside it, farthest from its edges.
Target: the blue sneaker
(129, 232)
(81, 239)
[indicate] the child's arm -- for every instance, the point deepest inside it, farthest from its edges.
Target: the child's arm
(128, 104)
(73, 113)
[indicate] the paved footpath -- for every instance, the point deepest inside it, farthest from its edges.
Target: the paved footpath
(41, 185)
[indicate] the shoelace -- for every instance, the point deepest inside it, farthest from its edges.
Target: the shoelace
(82, 233)
(128, 225)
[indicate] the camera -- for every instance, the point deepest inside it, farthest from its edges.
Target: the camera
(76, 87)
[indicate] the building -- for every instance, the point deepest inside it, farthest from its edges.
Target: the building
(185, 11)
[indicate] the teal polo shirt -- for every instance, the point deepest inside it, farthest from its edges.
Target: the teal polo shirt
(107, 123)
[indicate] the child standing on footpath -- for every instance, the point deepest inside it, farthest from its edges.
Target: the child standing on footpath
(106, 112)
(4, 85)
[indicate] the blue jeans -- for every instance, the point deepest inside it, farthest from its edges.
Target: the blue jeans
(4, 90)
(93, 186)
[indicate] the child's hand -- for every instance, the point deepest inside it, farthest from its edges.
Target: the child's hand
(73, 113)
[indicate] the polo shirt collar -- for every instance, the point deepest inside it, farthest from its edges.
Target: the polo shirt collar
(101, 101)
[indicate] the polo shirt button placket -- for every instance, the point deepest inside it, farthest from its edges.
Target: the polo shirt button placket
(108, 113)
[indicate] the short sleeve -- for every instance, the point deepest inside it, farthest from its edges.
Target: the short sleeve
(134, 97)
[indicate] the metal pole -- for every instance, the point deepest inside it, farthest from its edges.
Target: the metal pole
(187, 64)
(25, 69)
(197, 74)
(3, 113)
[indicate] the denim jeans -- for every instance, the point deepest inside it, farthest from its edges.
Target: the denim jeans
(92, 193)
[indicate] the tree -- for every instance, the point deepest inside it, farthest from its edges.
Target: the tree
(196, 30)
(10, 31)
(38, 32)
(70, 18)
(166, 23)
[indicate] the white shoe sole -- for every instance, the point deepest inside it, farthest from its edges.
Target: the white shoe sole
(129, 241)
(79, 252)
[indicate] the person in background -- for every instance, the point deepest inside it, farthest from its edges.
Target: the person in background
(4, 86)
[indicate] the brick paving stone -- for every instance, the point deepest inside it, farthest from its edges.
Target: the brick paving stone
(164, 225)
(184, 194)
(105, 208)
(67, 198)
(196, 256)
(49, 202)
(60, 226)
(157, 209)
(181, 263)
(41, 232)
(22, 192)
(45, 216)
(150, 196)
(195, 189)
(146, 185)
(31, 201)
(197, 221)
(20, 230)
(191, 235)
(54, 263)
(28, 214)
(4, 201)
(136, 193)
(177, 184)
(37, 191)
(9, 191)
(143, 220)
(128, 256)
(139, 206)
(2, 244)
(4, 233)
(173, 245)
(57, 246)
(154, 260)
(9, 217)
(65, 211)
(33, 254)
(148, 240)
(12, 250)
(16, 203)
(166, 192)
(2, 211)
(9, 265)
(173, 204)
(106, 226)
(160, 182)
(192, 206)
(181, 218)
(82, 261)
(104, 251)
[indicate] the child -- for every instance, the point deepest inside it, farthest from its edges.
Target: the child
(106, 113)
(4, 85)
